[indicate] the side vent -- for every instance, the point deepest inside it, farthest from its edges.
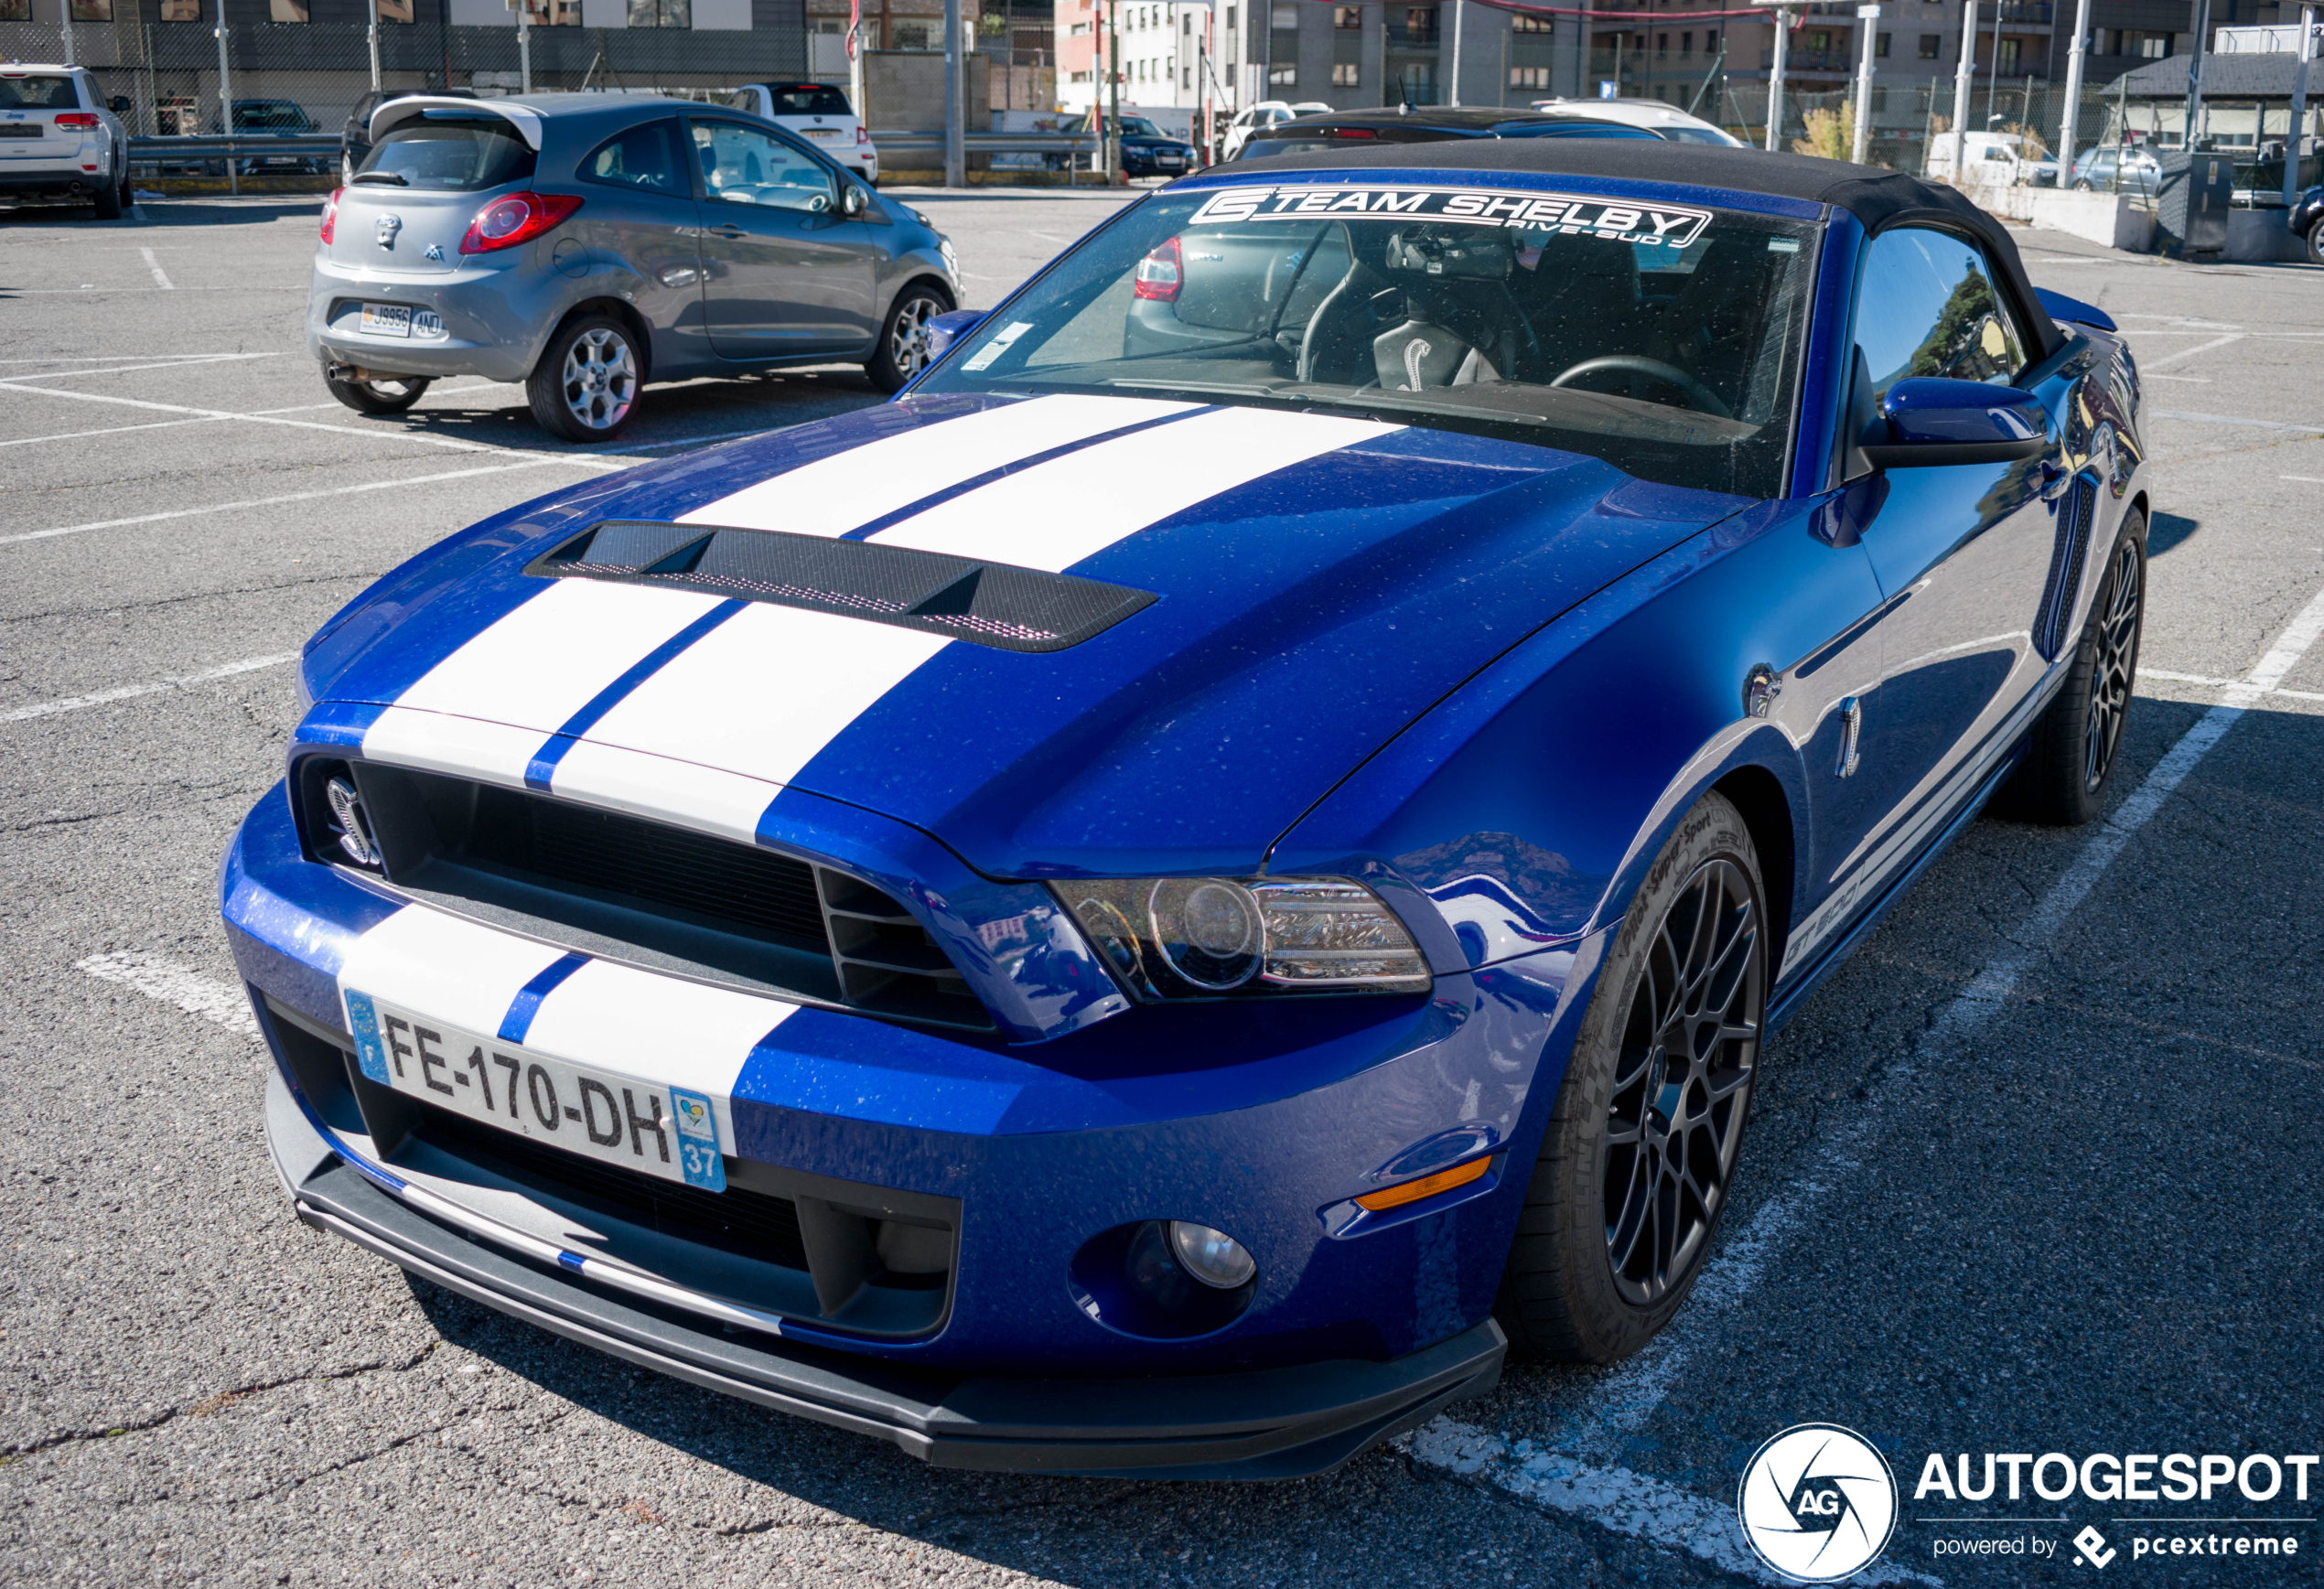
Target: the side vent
(887, 962)
(2059, 591)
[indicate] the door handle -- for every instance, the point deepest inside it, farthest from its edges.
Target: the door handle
(727, 229)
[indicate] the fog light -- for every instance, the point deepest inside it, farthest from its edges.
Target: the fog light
(1212, 1257)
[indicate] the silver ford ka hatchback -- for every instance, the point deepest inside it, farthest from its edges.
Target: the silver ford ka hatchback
(586, 244)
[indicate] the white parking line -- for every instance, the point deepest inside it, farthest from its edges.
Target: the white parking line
(150, 687)
(2148, 364)
(195, 363)
(154, 265)
(1618, 1403)
(2146, 673)
(2193, 418)
(158, 977)
(535, 462)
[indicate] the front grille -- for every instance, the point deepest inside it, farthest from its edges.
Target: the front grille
(751, 887)
(747, 1223)
(621, 887)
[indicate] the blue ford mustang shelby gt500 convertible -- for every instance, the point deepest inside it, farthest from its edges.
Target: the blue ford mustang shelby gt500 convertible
(1161, 903)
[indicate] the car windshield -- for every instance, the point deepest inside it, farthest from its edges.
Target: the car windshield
(36, 94)
(1661, 337)
(1132, 127)
(451, 151)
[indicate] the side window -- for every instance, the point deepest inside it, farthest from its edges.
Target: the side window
(645, 158)
(744, 165)
(1926, 305)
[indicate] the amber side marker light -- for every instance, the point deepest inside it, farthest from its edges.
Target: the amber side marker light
(1427, 1186)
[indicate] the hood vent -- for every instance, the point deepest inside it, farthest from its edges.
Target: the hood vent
(988, 604)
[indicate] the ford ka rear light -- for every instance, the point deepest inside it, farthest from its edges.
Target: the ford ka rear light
(330, 212)
(516, 218)
(861, 135)
(76, 118)
(1160, 273)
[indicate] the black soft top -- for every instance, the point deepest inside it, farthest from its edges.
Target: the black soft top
(1878, 199)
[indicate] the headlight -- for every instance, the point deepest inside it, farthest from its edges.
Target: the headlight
(1204, 937)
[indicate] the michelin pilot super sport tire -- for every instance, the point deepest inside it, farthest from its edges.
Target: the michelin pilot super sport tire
(2071, 749)
(1638, 1164)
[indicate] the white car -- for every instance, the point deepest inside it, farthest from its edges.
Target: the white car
(1266, 114)
(59, 140)
(817, 112)
(2003, 159)
(1664, 120)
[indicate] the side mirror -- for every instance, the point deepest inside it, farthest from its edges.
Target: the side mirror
(943, 330)
(851, 199)
(121, 104)
(1927, 420)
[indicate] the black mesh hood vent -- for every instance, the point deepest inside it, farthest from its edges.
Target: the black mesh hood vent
(990, 603)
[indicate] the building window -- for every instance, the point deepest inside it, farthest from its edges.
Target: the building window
(171, 11)
(1930, 42)
(1186, 77)
(1188, 20)
(1686, 44)
(21, 11)
(903, 32)
(1661, 44)
(101, 11)
(1346, 74)
(2009, 48)
(1419, 83)
(664, 14)
(1346, 18)
(1880, 47)
(1078, 30)
(1229, 28)
(1283, 77)
(1230, 64)
(1529, 77)
(1524, 23)
(1078, 77)
(1287, 18)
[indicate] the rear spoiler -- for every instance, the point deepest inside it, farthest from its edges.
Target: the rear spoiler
(526, 120)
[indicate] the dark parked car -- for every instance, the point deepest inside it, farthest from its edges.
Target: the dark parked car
(1147, 149)
(1353, 130)
(2308, 222)
(355, 137)
(588, 243)
(282, 118)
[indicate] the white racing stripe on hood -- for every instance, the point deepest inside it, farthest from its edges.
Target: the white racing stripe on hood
(1057, 513)
(463, 972)
(708, 798)
(440, 742)
(834, 495)
(656, 1028)
(761, 693)
(543, 663)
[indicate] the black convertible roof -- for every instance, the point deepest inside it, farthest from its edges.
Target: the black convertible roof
(1875, 198)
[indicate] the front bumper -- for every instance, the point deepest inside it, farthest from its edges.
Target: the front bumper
(1279, 1424)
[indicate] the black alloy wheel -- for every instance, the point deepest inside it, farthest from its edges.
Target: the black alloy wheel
(2072, 747)
(1682, 1084)
(1637, 1162)
(2114, 665)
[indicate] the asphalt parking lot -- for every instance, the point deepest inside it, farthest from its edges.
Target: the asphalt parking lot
(2036, 1172)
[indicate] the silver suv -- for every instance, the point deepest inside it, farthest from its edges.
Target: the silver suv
(586, 243)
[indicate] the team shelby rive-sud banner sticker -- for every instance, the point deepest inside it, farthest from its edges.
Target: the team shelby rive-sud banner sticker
(1668, 225)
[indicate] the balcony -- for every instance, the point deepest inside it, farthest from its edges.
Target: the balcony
(2024, 12)
(1411, 38)
(1811, 61)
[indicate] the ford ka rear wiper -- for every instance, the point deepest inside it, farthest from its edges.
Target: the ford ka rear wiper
(396, 176)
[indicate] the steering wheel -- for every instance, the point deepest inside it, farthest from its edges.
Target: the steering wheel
(1699, 395)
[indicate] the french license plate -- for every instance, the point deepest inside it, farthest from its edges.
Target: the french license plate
(387, 319)
(656, 1130)
(19, 130)
(282, 159)
(823, 132)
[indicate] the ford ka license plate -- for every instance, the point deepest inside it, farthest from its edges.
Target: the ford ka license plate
(656, 1130)
(387, 320)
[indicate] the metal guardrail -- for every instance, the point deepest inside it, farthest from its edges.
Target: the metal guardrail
(241, 146)
(986, 142)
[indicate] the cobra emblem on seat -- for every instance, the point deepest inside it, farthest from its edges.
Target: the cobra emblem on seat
(1415, 351)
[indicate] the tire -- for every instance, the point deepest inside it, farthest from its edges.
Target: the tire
(128, 193)
(1616, 1225)
(2071, 752)
(108, 202)
(2316, 243)
(903, 339)
(2083, 185)
(392, 395)
(585, 389)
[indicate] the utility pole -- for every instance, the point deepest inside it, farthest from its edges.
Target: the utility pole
(1867, 23)
(955, 112)
(856, 64)
(1993, 78)
(2300, 106)
(226, 104)
(1963, 79)
(65, 26)
(1775, 74)
(372, 6)
(1112, 91)
(1454, 99)
(2073, 96)
(524, 44)
(2195, 72)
